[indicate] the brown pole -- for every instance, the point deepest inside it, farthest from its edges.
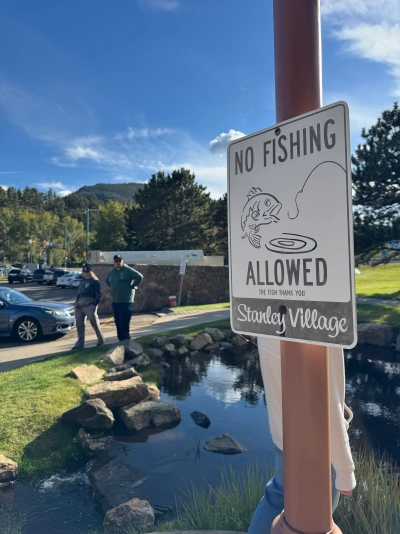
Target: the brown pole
(305, 371)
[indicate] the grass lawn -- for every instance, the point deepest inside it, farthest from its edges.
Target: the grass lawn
(202, 307)
(382, 281)
(378, 313)
(33, 398)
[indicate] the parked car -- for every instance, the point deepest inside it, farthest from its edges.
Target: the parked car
(28, 320)
(20, 275)
(38, 275)
(77, 281)
(67, 281)
(51, 275)
(61, 279)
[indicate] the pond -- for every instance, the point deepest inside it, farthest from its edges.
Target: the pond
(228, 388)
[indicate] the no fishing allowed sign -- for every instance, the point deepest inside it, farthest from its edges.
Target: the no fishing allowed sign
(291, 231)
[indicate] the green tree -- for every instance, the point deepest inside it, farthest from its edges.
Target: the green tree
(110, 229)
(171, 212)
(376, 184)
(220, 220)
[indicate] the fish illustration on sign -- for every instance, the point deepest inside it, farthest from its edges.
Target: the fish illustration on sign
(261, 208)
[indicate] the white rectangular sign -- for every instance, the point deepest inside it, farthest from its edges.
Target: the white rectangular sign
(291, 230)
(182, 268)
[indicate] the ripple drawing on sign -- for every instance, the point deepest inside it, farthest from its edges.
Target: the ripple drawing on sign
(260, 208)
(263, 209)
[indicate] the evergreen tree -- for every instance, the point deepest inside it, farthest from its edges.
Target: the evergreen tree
(110, 229)
(220, 219)
(376, 184)
(171, 212)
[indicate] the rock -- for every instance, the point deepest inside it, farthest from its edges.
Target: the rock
(114, 484)
(200, 419)
(92, 444)
(135, 515)
(158, 342)
(8, 469)
(141, 361)
(224, 444)
(87, 373)
(133, 349)
(119, 368)
(180, 340)
(115, 356)
(213, 346)
(169, 350)
(398, 343)
(229, 334)
(155, 353)
(91, 414)
(182, 351)
(165, 365)
(120, 392)
(201, 341)
(379, 335)
(194, 353)
(121, 375)
(215, 333)
(154, 393)
(226, 345)
(149, 415)
(239, 341)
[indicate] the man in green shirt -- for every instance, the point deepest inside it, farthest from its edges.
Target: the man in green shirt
(123, 280)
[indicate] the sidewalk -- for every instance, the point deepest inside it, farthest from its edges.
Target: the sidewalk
(12, 356)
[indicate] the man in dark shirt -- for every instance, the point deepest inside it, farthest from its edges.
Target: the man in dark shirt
(123, 281)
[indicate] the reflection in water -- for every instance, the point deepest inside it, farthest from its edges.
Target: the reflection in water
(228, 388)
(372, 392)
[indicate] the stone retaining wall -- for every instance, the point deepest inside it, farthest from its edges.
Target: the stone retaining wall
(206, 285)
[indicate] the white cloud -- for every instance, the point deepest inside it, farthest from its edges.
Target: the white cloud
(220, 144)
(155, 6)
(144, 133)
(371, 29)
(5, 187)
(58, 187)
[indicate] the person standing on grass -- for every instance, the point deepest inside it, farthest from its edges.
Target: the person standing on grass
(343, 479)
(123, 281)
(87, 301)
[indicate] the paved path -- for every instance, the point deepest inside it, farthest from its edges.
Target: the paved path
(370, 300)
(13, 355)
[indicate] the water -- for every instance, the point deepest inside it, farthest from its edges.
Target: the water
(227, 388)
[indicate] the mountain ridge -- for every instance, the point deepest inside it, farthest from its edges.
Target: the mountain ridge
(117, 192)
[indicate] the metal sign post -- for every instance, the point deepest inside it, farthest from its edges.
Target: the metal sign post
(182, 271)
(291, 255)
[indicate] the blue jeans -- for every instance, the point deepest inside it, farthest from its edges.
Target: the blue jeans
(272, 503)
(122, 316)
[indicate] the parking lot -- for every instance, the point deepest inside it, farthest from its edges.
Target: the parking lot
(45, 292)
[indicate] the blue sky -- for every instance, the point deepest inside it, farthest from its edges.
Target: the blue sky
(99, 91)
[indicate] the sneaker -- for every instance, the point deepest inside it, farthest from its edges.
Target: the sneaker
(100, 342)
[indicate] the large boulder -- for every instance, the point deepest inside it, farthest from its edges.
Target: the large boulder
(182, 351)
(158, 342)
(114, 484)
(92, 444)
(92, 414)
(169, 350)
(149, 415)
(115, 356)
(8, 469)
(201, 341)
(224, 444)
(135, 515)
(141, 361)
(155, 353)
(213, 346)
(180, 340)
(87, 373)
(133, 349)
(379, 335)
(121, 392)
(215, 333)
(125, 374)
(239, 341)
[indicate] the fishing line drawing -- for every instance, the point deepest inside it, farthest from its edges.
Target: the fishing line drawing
(260, 208)
(263, 209)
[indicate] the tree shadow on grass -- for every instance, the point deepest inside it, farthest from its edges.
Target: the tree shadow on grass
(54, 450)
